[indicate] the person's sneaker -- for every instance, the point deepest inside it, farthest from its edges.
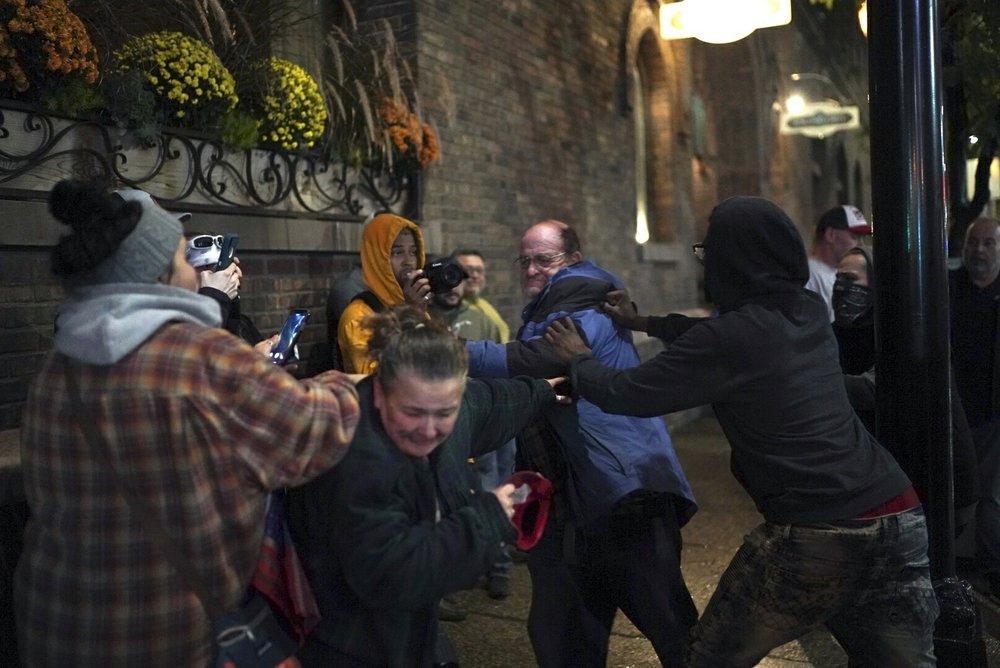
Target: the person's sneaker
(498, 587)
(448, 611)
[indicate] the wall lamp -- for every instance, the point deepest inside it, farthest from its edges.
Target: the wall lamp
(721, 21)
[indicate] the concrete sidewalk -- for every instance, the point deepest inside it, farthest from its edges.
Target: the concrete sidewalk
(495, 632)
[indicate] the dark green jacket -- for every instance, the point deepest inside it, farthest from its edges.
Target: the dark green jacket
(377, 560)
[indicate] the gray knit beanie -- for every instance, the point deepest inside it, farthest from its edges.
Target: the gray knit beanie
(148, 250)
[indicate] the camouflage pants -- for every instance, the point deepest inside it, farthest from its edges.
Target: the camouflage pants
(867, 581)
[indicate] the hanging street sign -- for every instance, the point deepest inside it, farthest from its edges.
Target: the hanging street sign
(819, 119)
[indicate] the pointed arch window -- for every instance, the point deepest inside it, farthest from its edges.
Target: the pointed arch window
(651, 111)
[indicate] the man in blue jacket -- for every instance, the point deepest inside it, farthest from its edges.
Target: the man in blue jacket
(621, 496)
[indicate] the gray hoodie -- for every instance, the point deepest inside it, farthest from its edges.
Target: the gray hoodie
(101, 324)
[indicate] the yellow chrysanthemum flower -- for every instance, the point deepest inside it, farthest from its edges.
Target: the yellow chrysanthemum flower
(184, 72)
(291, 106)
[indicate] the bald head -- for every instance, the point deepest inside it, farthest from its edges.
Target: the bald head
(983, 222)
(981, 253)
(546, 247)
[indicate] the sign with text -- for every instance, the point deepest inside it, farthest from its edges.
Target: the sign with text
(819, 119)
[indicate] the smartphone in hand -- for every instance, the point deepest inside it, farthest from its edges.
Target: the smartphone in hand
(281, 353)
(228, 252)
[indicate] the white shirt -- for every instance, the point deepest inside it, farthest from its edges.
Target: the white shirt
(821, 279)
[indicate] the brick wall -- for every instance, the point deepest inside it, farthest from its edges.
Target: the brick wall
(29, 296)
(401, 16)
(277, 282)
(28, 300)
(528, 99)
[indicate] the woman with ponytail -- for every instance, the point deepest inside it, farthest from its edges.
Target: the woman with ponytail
(403, 520)
(149, 423)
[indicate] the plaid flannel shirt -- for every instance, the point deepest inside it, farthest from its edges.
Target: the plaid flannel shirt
(202, 427)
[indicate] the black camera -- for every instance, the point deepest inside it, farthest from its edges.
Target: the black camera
(444, 275)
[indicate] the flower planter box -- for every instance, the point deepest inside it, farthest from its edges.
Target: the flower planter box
(189, 170)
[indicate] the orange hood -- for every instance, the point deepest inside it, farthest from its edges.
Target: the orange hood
(376, 245)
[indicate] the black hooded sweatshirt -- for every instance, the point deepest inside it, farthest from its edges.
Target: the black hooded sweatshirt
(769, 366)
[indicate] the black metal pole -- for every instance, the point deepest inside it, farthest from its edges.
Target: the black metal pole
(913, 359)
(909, 209)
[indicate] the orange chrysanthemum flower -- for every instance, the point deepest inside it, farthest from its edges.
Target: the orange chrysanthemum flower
(411, 138)
(44, 34)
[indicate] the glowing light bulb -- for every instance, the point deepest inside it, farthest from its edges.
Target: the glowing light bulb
(641, 227)
(795, 104)
(721, 21)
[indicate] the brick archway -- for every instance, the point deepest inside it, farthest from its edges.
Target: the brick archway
(642, 20)
(657, 101)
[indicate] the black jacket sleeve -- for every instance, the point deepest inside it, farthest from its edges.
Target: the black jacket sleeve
(861, 394)
(536, 358)
(501, 408)
(225, 303)
(390, 562)
(533, 358)
(669, 327)
(691, 371)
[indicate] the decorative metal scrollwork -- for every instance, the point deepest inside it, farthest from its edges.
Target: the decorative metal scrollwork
(37, 149)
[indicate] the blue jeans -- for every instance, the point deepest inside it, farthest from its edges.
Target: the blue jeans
(867, 581)
(493, 468)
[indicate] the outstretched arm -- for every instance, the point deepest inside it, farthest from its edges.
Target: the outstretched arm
(488, 359)
(502, 408)
(620, 307)
(691, 371)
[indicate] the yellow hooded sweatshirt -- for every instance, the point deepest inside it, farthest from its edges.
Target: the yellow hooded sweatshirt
(376, 246)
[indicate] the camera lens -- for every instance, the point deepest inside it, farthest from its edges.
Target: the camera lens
(444, 275)
(452, 275)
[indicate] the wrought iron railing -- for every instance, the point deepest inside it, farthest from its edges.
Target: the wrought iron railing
(183, 167)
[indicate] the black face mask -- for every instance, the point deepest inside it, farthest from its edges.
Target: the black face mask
(852, 304)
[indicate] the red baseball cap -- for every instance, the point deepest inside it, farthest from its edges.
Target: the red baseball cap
(531, 515)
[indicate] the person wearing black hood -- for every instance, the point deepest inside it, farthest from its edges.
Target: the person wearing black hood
(844, 539)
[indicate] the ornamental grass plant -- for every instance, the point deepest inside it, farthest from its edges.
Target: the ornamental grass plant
(373, 101)
(197, 64)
